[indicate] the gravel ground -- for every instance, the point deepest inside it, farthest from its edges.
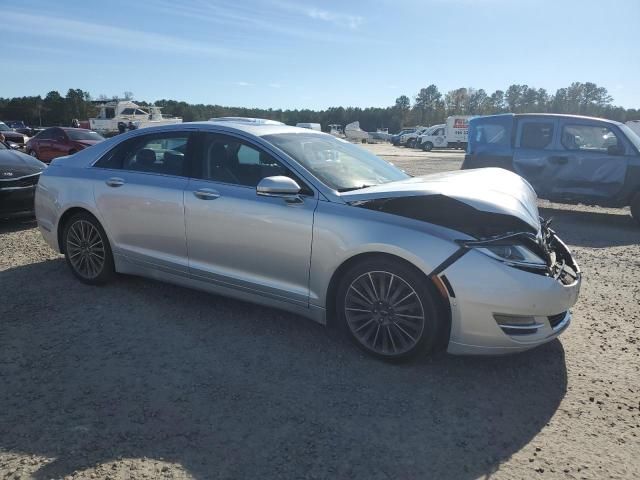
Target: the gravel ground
(140, 379)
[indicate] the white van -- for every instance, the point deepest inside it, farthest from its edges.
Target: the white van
(453, 134)
(311, 126)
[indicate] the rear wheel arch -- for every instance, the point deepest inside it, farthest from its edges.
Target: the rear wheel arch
(332, 290)
(64, 219)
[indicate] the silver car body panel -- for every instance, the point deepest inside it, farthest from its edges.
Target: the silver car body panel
(269, 251)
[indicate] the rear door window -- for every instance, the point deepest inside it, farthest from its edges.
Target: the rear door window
(164, 154)
(536, 135)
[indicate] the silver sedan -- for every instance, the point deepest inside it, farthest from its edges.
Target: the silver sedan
(304, 221)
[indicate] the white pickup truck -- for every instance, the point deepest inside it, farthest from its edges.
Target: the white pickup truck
(453, 134)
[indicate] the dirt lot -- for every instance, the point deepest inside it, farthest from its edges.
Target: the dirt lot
(140, 379)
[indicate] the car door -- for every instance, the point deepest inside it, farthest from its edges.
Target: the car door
(240, 239)
(536, 156)
(59, 144)
(591, 161)
(43, 145)
(139, 192)
(439, 138)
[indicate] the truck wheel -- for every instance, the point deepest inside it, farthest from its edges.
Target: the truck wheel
(427, 147)
(635, 207)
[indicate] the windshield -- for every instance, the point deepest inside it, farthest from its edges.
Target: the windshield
(337, 163)
(4, 128)
(631, 135)
(84, 135)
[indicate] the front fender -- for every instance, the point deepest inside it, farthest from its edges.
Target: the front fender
(341, 232)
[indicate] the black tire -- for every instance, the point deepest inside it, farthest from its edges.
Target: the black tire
(34, 154)
(411, 143)
(635, 207)
(404, 335)
(427, 146)
(92, 249)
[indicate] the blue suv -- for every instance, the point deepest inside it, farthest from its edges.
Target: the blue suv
(566, 158)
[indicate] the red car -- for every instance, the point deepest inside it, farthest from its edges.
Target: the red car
(59, 141)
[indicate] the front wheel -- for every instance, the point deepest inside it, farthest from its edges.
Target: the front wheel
(427, 147)
(411, 143)
(388, 309)
(635, 207)
(87, 250)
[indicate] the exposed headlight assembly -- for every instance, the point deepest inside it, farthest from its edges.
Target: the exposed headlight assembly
(513, 250)
(513, 254)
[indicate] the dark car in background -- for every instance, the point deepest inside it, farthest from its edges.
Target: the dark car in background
(395, 139)
(10, 135)
(566, 158)
(20, 127)
(19, 174)
(60, 141)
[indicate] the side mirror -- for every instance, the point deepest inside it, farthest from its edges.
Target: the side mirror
(278, 186)
(615, 150)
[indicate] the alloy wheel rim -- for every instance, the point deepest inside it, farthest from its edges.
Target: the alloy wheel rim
(384, 313)
(86, 249)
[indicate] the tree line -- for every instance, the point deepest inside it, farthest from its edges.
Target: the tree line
(429, 107)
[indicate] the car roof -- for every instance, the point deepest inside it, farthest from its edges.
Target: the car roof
(550, 115)
(257, 129)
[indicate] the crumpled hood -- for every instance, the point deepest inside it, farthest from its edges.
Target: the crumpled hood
(15, 164)
(489, 190)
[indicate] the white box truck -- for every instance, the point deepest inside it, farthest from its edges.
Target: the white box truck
(453, 134)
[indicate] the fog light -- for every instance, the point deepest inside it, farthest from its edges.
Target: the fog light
(517, 324)
(519, 320)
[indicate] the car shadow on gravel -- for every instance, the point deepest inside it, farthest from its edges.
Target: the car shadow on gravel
(231, 390)
(17, 224)
(593, 229)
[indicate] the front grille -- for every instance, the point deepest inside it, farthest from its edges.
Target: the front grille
(555, 320)
(20, 182)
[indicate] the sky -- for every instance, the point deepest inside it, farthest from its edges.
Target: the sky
(315, 54)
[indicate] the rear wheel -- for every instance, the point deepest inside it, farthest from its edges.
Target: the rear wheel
(411, 143)
(427, 147)
(635, 207)
(87, 250)
(388, 309)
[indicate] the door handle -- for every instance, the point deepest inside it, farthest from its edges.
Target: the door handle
(115, 182)
(559, 160)
(206, 194)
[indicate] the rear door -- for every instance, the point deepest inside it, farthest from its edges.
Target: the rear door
(535, 156)
(139, 191)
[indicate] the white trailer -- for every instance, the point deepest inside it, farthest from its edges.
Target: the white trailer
(453, 134)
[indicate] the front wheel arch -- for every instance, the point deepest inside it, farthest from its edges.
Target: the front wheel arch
(332, 291)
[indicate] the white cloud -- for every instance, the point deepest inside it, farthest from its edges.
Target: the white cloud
(107, 35)
(340, 19)
(331, 16)
(244, 84)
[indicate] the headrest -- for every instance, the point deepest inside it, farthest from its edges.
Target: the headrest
(146, 157)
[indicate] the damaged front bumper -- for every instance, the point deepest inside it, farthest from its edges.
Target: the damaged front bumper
(500, 308)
